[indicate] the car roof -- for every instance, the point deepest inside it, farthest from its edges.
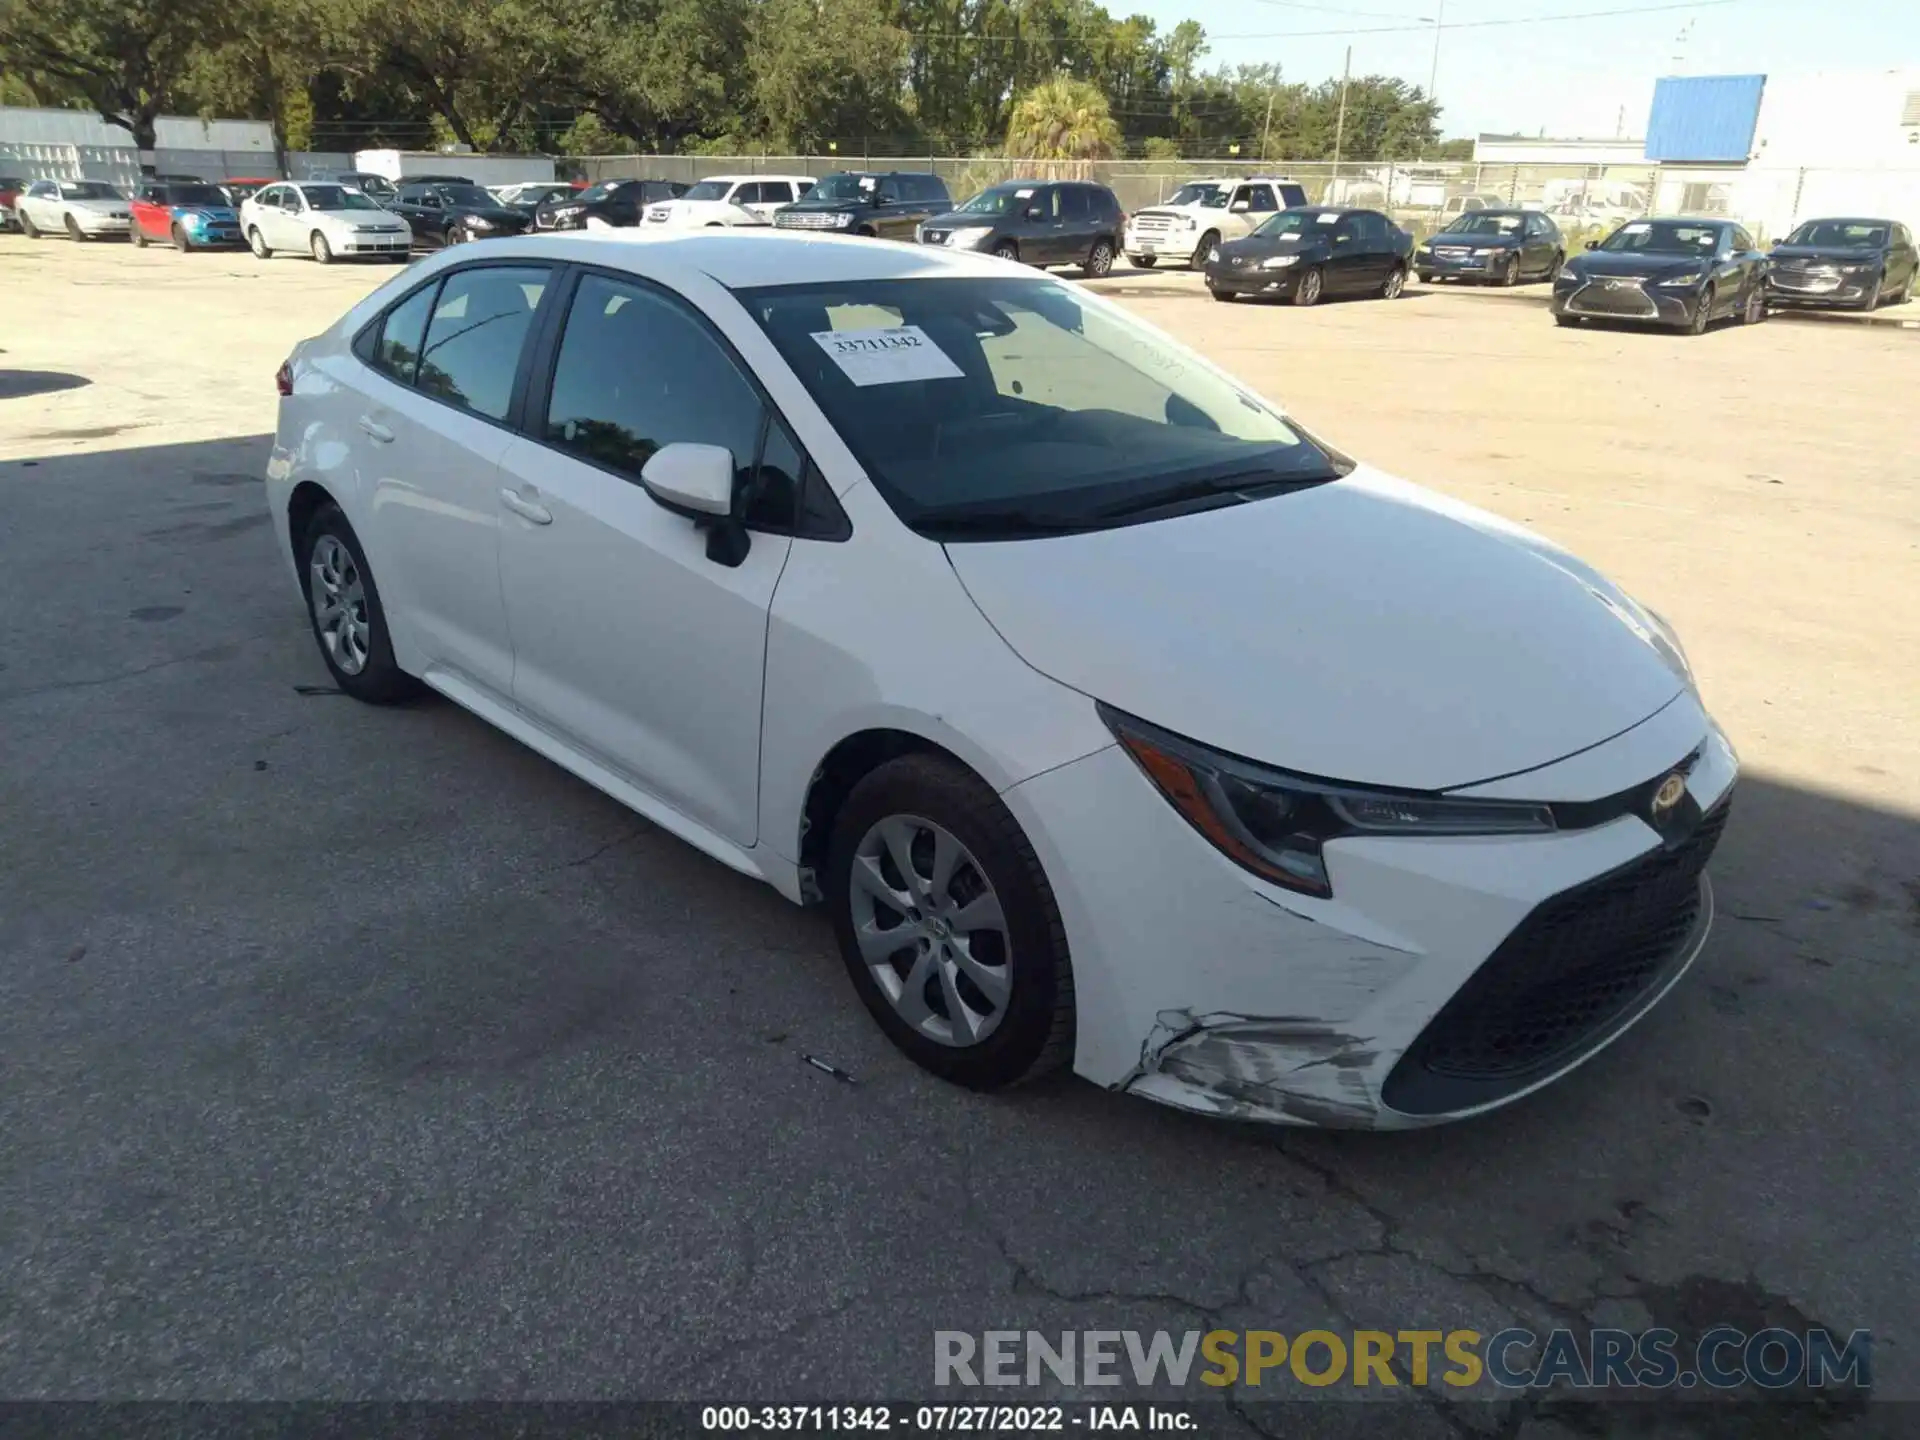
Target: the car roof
(738, 179)
(741, 259)
(1845, 220)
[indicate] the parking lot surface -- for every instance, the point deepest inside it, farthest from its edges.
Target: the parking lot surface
(361, 1053)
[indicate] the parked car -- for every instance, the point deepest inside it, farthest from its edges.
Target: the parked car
(729, 200)
(377, 187)
(1304, 254)
(1462, 860)
(1679, 272)
(1068, 222)
(83, 209)
(1201, 213)
(610, 205)
(239, 189)
(1861, 263)
(529, 195)
(453, 214)
(1456, 205)
(326, 220)
(10, 188)
(1501, 247)
(189, 217)
(889, 204)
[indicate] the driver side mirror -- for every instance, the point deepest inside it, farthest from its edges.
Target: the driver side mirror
(697, 482)
(1034, 212)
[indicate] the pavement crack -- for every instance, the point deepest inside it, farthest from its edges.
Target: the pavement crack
(216, 652)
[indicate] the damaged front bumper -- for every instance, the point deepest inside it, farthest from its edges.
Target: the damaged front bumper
(1446, 976)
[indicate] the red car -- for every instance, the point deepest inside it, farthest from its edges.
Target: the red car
(195, 216)
(10, 188)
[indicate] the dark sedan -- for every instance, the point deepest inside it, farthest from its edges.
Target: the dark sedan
(1307, 252)
(612, 204)
(1857, 263)
(1680, 273)
(454, 214)
(1499, 247)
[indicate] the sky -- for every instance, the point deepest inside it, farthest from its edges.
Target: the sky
(1578, 77)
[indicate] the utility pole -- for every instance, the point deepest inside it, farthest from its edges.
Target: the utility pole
(1266, 128)
(1340, 125)
(1433, 75)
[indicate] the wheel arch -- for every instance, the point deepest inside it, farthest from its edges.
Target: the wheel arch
(851, 760)
(302, 505)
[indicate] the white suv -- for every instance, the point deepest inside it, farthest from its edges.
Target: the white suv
(1201, 213)
(730, 200)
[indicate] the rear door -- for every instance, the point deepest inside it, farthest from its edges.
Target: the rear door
(1906, 260)
(628, 638)
(1078, 223)
(1351, 262)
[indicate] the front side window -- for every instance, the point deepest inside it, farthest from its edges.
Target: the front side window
(471, 196)
(990, 406)
(1208, 197)
(845, 186)
(999, 200)
(472, 346)
(635, 372)
(1741, 240)
(197, 195)
(709, 190)
(1073, 202)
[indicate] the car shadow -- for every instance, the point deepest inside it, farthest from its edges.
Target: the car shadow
(15, 384)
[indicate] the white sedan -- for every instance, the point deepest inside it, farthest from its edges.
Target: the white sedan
(79, 209)
(1115, 720)
(324, 219)
(729, 200)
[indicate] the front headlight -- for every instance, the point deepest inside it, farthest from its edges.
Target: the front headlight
(1279, 262)
(1185, 222)
(477, 222)
(842, 220)
(1276, 824)
(1426, 249)
(1681, 282)
(1486, 249)
(968, 236)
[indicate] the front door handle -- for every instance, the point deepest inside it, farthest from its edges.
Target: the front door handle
(375, 430)
(526, 509)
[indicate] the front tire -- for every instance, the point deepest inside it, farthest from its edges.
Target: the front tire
(1308, 289)
(257, 243)
(1553, 270)
(74, 232)
(1511, 275)
(322, 252)
(1099, 261)
(1755, 310)
(1395, 282)
(139, 237)
(1872, 302)
(1204, 249)
(180, 241)
(1006, 250)
(343, 606)
(948, 925)
(27, 227)
(1702, 314)
(1224, 295)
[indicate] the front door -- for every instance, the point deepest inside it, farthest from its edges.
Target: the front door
(430, 430)
(285, 227)
(628, 640)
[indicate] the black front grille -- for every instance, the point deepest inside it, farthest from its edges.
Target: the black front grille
(1577, 964)
(1600, 298)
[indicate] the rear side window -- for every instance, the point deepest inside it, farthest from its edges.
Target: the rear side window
(397, 352)
(472, 348)
(1073, 202)
(1292, 197)
(1262, 198)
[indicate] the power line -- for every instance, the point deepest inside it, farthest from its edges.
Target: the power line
(1429, 26)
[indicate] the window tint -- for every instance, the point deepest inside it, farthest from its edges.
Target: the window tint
(775, 501)
(1369, 228)
(1262, 197)
(1741, 240)
(398, 350)
(776, 192)
(473, 345)
(635, 372)
(1073, 202)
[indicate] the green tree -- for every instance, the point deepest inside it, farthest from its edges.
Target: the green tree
(1062, 119)
(126, 59)
(820, 70)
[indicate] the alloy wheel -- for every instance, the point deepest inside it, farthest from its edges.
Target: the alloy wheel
(1007, 250)
(338, 596)
(1308, 290)
(1396, 282)
(1512, 275)
(1100, 261)
(322, 252)
(931, 930)
(257, 243)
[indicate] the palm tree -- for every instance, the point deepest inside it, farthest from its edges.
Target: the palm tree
(1064, 123)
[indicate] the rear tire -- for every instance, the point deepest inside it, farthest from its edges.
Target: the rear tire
(1027, 1030)
(356, 644)
(1394, 284)
(1553, 270)
(1204, 249)
(1099, 262)
(1754, 311)
(1226, 295)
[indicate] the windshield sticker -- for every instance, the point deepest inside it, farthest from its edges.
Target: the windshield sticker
(888, 356)
(1330, 218)
(1638, 227)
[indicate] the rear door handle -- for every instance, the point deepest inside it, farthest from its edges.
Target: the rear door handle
(526, 509)
(375, 430)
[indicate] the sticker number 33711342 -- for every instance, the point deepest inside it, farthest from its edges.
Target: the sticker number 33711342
(887, 356)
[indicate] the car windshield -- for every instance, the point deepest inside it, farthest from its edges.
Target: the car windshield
(997, 201)
(1487, 222)
(1842, 234)
(336, 197)
(89, 190)
(709, 190)
(197, 195)
(594, 193)
(466, 195)
(844, 187)
(1300, 222)
(1211, 197)
(1004, 407)
(1662, 237)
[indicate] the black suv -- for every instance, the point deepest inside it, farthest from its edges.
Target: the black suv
(1068, 222)
(888, 203)
(611, 202)
(454, 214)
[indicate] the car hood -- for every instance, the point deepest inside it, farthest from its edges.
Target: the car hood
(1188, 210)
(828, 206)
(220, 214)
(1263, 245)
(1636, 267)
(1839, 254)
(957, 220)
(99, 207)
(1364, 630)
(498, 214)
